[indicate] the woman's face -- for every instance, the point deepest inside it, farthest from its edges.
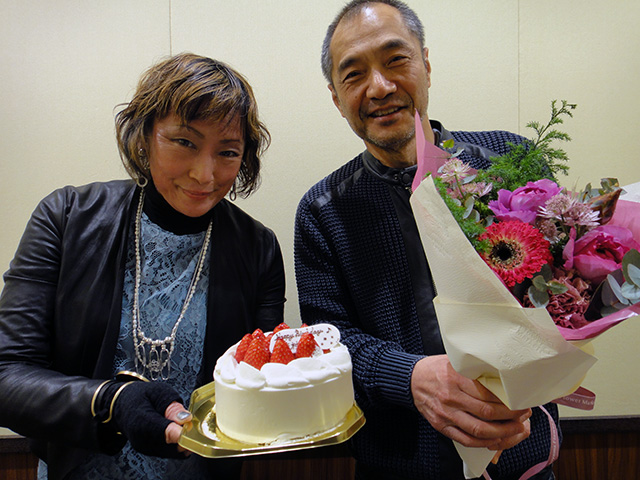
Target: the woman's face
(193, 166)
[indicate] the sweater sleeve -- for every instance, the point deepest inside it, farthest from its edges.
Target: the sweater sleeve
(381, 368)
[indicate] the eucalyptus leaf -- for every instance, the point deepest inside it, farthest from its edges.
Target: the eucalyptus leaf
(630, 264)
(608, 310)
(474, 215)
(633, 274)
(631, 293)
(616, 289)
(556, 288)
(469, 179)
(546, 272)
(539, 283)
(468, 205)
(604, 292)
(539, 299)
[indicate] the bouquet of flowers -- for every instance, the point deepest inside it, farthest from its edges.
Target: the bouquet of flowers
(525, 271)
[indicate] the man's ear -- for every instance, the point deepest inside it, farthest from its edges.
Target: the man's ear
(334, 97)
(427, 64)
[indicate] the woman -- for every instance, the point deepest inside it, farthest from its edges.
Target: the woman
(157, 276)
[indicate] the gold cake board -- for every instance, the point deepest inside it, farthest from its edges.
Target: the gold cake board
(202, 436)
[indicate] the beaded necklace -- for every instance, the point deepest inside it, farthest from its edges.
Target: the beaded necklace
(154, 355)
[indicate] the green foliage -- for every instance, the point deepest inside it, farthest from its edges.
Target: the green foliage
(533, 159)
(622, 287)
(469, 226)
(525, 162)
(631, 267)
(542, 285)
(607, 185)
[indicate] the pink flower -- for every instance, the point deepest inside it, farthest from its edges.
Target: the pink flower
(568, 309)
(523, 203)
(598, 252)
(570, 211)
(454, 171)
(463, 191)
(516, 251)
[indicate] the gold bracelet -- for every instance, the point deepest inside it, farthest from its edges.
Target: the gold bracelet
(115, 397)
(95, 396)
(128, 376)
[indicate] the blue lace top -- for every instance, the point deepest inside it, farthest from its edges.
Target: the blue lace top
(168, 263)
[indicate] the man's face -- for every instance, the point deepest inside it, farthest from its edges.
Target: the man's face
(380, 75)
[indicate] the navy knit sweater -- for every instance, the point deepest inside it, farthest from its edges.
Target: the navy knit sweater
(353, 270)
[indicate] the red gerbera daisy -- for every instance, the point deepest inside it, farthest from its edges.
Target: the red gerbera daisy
(516, 251)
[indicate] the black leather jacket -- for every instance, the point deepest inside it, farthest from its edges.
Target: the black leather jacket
(60, 310)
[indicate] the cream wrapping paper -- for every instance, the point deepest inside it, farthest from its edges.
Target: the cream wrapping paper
(517, 353)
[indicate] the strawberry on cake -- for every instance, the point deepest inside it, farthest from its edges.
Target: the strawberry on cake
(283, 385)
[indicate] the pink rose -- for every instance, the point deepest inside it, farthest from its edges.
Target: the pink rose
(523, 203)
(598, 252)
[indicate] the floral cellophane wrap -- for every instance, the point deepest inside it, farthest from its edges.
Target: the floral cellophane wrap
(518, 353)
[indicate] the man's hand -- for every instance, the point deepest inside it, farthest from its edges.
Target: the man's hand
(463, 409)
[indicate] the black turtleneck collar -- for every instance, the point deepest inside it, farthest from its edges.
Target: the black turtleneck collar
(394, 176)
(166, 217)
(400, 176)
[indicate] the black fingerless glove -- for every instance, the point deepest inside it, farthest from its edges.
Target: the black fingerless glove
(137, 410)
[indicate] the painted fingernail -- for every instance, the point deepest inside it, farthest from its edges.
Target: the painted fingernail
(183, 415)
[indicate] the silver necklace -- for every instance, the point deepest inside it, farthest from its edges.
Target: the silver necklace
(152, 355)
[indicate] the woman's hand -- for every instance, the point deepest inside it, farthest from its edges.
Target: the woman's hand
(178, 416)
(147, 413)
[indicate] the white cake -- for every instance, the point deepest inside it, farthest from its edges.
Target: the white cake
(281, 402)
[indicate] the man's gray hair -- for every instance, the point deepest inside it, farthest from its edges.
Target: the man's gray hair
(354, 7)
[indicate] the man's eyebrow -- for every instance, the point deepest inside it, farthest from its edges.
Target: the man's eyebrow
(395, 43)
(389, 45)
(346, 63)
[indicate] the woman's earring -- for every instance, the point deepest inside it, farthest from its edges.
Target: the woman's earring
(143, 158)
(142, 180)
(232, 193)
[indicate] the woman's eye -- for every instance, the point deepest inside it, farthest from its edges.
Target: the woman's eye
(184, 142)
(230, 153)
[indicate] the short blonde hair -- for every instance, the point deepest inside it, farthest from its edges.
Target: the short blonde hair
(193, 88)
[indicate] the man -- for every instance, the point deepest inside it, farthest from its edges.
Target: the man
(360, 265)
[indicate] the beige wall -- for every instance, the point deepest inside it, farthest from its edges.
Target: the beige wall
(497, 64)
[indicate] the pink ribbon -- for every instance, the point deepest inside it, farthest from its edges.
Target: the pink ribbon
(554, 451)
(581, 399)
